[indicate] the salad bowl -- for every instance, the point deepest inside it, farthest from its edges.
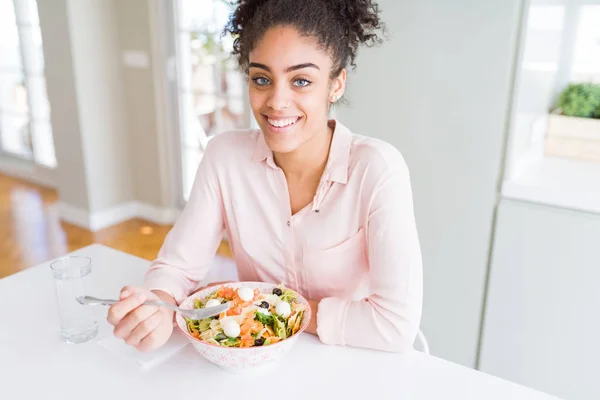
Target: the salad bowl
(261, 326)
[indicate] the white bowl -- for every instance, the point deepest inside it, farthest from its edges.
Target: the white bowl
(240, 359)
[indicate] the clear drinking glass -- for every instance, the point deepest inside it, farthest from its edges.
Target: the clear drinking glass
(72, 276)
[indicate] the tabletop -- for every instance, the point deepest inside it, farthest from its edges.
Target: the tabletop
(35, 363)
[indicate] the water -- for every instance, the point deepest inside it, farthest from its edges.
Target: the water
(77, 322)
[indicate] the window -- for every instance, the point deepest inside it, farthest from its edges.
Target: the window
(586, 57)
(554, 159)
(211, 90)
(25, 129)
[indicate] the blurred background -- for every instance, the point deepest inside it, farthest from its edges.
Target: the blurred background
(106, 107)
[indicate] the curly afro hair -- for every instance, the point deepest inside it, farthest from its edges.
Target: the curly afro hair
(340, 26)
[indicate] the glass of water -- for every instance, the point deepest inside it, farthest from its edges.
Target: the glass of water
(72, 276)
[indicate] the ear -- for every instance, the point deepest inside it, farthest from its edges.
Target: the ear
(338, 86)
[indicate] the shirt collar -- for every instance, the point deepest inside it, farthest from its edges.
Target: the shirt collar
(336, 169)
(262, 151)
(338, 164)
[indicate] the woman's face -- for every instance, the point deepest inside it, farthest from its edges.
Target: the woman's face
(290, 88)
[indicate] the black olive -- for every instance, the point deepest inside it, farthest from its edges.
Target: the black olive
(259, 342)
(264, 304)
(277, 292)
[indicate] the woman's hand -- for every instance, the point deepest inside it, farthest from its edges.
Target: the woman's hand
(141, 326)
(312, 325)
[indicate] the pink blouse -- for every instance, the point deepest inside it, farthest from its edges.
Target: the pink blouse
(354, 248)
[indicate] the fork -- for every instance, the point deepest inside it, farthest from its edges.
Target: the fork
(194, 314)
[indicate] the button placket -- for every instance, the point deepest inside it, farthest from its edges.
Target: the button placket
(300, 267)
(289, 253)
(288, 230)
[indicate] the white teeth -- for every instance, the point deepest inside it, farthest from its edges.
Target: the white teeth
(280, 123)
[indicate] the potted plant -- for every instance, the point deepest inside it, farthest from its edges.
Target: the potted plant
(574, 126)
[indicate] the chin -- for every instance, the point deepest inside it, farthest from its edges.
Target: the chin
(280, 146)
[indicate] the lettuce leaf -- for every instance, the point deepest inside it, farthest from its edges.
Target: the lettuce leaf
(275, 322)
(288, 295)
(213, 295)
(266, 320)
(231, 342)
(279, 328)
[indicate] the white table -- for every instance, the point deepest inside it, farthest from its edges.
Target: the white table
(36, 364)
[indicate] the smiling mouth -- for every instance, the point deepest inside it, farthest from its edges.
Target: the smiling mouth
(282, 122)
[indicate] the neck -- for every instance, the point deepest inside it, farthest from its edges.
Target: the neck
(307, 160)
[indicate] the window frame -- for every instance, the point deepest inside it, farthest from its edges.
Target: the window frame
(27, 69)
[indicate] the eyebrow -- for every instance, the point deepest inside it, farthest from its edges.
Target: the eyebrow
(288, 69)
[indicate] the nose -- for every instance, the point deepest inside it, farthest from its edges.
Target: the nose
(279, 98)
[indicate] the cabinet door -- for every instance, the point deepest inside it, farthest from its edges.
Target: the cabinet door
(542, 317)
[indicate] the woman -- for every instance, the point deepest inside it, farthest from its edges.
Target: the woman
(304, 201)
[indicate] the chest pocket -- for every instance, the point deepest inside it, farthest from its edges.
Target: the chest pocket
(336, 271)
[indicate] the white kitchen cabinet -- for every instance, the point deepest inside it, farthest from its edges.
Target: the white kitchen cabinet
(542, 316)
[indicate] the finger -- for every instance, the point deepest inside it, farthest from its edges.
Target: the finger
(130, 290)
(119, 310)
(124, 328)
(150, 342)
(144, 328)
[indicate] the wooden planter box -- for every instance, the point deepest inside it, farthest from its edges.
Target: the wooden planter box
(573, 137)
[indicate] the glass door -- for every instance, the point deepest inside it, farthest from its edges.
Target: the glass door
(211, 92)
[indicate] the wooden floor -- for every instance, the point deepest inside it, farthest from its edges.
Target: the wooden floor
(31, 233)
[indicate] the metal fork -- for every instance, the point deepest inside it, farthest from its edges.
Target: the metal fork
(195, 314)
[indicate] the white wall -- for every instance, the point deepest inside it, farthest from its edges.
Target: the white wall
(146, 156)
(542, 319)
(71, 178)
(111, 166)
(439, 92)
(101, 102)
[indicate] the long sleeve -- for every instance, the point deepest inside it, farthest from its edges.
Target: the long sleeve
(388, 319)
(190, 246)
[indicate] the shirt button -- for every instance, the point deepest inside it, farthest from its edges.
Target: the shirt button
(289, 223)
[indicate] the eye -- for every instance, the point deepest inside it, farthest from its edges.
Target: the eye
(301, 82)
(260, 81)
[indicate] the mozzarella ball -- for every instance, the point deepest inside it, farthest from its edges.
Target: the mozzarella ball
(284, 309)
(212, 303)
(230, 328)
(246, 294)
